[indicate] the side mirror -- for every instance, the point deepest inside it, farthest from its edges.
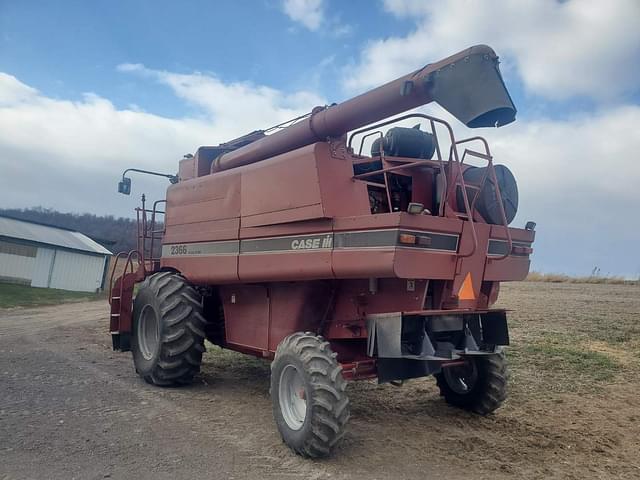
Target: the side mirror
(124, 186)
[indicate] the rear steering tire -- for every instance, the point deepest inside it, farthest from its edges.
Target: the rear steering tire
(168, 330)
(310, 405)
(479, 386)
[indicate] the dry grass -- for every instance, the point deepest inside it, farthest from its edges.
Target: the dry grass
(571, 337)
(592, 279)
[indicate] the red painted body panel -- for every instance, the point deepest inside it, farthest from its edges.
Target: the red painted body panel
(303, 265)
(247, 312)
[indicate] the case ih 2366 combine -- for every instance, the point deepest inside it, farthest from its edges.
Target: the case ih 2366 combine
(292, 245)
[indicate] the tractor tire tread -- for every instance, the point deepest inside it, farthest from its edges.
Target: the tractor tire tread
(490, 393)
(329, 402)
(183, 326)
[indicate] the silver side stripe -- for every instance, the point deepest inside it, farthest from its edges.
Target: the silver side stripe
(389, 238)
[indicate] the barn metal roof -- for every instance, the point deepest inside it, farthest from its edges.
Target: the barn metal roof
(60, 237)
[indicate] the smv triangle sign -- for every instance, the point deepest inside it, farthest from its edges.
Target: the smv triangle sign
(466, 290)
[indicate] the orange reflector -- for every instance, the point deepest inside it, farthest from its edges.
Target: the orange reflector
(466, 290)
(406, 238)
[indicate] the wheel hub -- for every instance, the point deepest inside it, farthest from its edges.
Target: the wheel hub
(462, 378)
(148, 332)
(292, 397)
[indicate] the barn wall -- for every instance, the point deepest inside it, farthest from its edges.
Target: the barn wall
(76, 271)
(16, 262)
(42, 270)
(16, 268)
(50, 267)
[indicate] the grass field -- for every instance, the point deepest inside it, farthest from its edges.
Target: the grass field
(12, 295)
(573, 337)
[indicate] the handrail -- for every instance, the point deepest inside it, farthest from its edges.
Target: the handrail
(130, 261)
(399, 119)
(453, 158)
(153, 231)
(465, 199)
(113, 271)
(377, 132)
(490, 170)
(115, 264)
(361, 176)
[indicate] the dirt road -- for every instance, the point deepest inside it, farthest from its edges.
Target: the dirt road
(72, 408)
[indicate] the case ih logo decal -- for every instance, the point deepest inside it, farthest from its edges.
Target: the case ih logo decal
(325, 241)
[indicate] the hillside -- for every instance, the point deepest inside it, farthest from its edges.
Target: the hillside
(115, 234)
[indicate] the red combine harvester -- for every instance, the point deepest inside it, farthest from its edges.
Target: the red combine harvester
(291, 245)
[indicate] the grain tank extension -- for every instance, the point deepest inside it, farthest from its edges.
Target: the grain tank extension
(343, 245)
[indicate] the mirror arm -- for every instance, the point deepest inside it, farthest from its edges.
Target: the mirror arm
(172, 178)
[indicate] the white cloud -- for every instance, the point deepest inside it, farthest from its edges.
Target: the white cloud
(69, 154)
(560, 49)
(309, 13)
(12, 91)
(578, 179)
(237, 107)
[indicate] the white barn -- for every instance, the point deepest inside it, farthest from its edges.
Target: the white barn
(44, 256)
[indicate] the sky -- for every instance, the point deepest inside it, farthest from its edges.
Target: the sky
(88, 89)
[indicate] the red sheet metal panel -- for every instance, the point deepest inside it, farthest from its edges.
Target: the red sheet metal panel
(224, 229)
(341, 195)
(363, 263)
(509, 269)
(297, 307)
(246, 313)
(296, 228)
(280, 184)
(302, 265)
(470, 269)
(202, 199)
(410, 263)
(205, 270)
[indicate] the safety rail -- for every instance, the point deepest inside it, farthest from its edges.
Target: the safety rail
(147, 231)
(128, 263)
(490, 170)
(445, 170)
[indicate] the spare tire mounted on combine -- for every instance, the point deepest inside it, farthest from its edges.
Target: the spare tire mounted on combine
(292, 245)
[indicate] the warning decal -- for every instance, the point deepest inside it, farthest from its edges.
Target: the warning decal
(466, 290)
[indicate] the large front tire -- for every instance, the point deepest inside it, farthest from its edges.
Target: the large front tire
(479, 386)
(310, 405)
(168, 330)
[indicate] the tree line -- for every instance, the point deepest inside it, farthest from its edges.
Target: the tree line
(114, 233)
